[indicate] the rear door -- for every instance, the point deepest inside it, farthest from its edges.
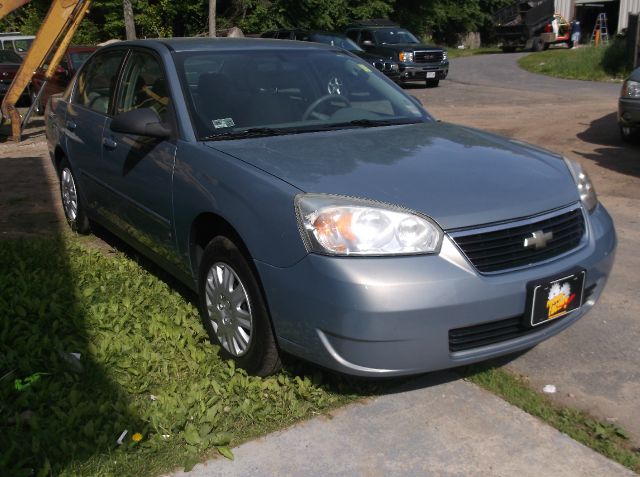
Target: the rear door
(138, 169)
(85, 119)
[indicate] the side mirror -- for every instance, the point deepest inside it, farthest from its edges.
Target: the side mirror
(367, 44)
(140, 122)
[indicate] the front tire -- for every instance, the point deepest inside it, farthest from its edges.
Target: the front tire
(629, 134)
(72, 203)
(233, 309)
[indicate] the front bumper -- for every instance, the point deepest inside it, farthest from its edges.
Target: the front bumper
(388, 316)
(629, 112)
(419, 72)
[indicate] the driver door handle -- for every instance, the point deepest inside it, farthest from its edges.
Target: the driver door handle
(71, 125)
(109, 143)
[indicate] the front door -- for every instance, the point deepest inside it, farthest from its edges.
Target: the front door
(140, 169)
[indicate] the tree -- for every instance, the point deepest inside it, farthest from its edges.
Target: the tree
(212, 18)
(129, 24)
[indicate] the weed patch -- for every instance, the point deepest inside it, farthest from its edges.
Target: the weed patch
(91, 346)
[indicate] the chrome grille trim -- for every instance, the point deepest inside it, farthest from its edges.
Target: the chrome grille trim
(492, 249)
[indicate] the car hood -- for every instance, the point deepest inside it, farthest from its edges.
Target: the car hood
(458, 176)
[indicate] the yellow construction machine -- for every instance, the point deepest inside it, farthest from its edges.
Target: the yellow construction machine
(48, 48)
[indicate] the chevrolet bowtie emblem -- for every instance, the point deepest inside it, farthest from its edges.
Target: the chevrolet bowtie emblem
(538, 239)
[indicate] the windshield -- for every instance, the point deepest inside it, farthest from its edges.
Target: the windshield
(336, 40)
(283, 92)
(79, 57)
(8, 56)
(395, 36)
(22, 45)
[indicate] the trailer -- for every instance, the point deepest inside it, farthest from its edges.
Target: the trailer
(531, 25)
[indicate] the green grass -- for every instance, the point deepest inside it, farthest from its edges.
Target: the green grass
(608, 439)
(587, 63)
(456, 53)
(145, 365)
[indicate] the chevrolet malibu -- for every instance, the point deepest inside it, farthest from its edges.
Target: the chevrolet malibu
(319, 210)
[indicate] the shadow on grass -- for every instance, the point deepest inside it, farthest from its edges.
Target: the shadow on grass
(58, 408)
(614, 154)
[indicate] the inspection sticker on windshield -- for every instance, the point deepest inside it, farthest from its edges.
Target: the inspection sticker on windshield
(223, 123)
(364, 68)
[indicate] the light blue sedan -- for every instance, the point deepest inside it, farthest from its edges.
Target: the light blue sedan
(319, 210)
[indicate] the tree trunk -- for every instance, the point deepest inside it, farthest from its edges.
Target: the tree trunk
(129, 24)
(212, 18)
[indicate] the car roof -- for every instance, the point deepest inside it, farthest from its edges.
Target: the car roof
(223, 44)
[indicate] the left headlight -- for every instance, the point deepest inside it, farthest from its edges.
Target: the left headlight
(630, 89)
(585, 187)
(338, 225)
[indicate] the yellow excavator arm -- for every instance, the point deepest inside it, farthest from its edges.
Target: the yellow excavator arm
(51, 42)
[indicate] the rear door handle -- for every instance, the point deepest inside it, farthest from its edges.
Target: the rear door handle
(109, 143)
(71, 126)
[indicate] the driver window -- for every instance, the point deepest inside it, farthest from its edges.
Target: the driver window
(143, 86)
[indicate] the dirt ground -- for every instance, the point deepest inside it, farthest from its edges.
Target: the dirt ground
(595, 363)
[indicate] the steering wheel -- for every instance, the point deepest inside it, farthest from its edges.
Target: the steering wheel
(324, 99)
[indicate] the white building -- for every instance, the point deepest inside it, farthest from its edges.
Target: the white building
(587, 11)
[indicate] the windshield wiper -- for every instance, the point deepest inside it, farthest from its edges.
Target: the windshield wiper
(370, 123)
(246, 133)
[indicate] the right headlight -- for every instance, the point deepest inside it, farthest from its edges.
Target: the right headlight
(406, 56)
(585, 187)
(339, 225)
(630, 89)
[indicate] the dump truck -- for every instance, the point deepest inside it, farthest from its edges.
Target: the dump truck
(531, 25)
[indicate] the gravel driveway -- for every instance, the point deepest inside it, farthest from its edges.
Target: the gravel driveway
(596, 363)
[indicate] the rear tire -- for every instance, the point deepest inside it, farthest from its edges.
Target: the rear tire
(538, 44)
(72, 203)
(233, 309)
(432, 83)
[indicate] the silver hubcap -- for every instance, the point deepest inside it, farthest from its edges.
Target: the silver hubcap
(69, 195)
(229, 309)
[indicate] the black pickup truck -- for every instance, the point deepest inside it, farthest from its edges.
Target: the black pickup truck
(416, 61)
(386, 65)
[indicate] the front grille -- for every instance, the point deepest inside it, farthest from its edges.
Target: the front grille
(427, 56)
(470, 337)
(502, 248)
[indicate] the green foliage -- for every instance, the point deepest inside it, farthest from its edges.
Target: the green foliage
(585, 63)
(145, 366)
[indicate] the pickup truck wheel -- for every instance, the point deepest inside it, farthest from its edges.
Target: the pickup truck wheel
(432, 83)
(538, 44)
(233, 310)
(74, 208)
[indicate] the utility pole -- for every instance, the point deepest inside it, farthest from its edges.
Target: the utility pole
(129, 24)
(212, 18)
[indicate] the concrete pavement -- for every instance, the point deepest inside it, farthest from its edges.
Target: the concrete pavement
(450, 428)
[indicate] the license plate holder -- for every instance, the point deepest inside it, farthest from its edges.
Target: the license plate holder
(553, 298)
(431, 74)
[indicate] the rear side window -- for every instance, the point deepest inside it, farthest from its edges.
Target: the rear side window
(96, 82)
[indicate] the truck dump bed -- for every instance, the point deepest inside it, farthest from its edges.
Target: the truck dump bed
(523, 18)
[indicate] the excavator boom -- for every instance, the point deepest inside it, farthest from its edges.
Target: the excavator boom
(51, 41)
